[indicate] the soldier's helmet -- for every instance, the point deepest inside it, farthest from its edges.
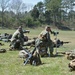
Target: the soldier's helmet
(48, 28)
(20, 28)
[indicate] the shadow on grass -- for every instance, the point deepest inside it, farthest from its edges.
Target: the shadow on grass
(59, 55)
(55, 55)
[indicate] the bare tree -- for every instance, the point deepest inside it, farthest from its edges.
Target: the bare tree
(3, 6)
(17, 7)
(23, 8)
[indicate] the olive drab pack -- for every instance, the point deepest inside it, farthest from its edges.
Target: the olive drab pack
(35, 59)
(23, 54)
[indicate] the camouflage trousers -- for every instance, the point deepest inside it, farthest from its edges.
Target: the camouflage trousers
(16, 44)
(48, 45)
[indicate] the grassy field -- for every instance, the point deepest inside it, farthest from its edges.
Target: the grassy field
(10, 64)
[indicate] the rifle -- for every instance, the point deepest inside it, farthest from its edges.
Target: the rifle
(31, 54)
(60, 43)
(26, 31)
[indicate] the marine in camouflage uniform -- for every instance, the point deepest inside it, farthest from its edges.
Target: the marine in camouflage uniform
(17, 37)
(71, 65)
(44, 38)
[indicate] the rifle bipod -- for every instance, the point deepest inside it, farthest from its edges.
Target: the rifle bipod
(29, 56)
(33, 58)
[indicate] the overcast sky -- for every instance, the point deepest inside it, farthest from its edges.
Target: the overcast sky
(33, 2)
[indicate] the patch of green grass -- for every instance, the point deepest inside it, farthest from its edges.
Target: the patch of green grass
(10, 64)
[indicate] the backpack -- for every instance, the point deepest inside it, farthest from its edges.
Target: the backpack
(71, 65)
(71, 55)
(35, 60)
(2, 50)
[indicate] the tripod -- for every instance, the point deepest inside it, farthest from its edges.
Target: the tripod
(56, 43)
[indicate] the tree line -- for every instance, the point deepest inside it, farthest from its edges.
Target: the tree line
(58, 13)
